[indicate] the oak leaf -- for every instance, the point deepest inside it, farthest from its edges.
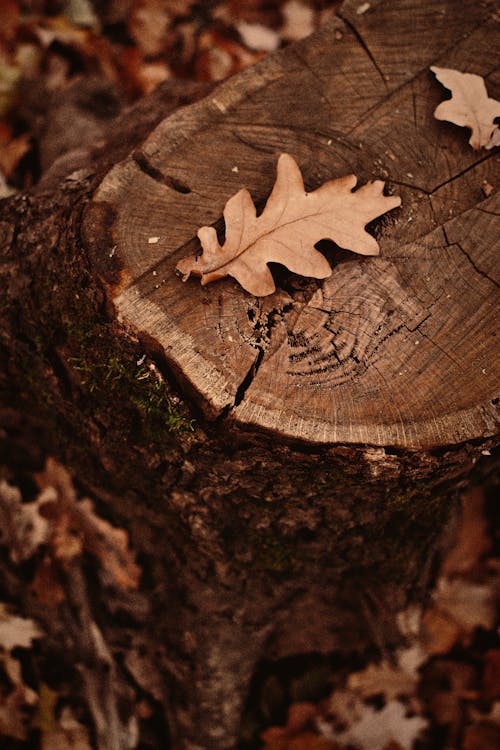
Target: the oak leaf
(385, 678)
(470, 106)
(376, 729)
(16, 631)
(286, 231)
(76, 528)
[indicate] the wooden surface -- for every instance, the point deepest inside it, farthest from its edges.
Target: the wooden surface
(396, 350)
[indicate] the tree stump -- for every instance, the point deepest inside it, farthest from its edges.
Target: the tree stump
(336, 420)
(391, 351)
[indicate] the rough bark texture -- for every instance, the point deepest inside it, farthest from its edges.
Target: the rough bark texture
(242, 533)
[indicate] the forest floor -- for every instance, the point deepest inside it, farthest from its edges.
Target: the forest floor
(442, 691)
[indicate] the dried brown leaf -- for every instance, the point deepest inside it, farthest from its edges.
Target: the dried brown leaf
(384, 678)
(22, 528)
(16, 631)
(299, 20)
(12, 711)
(75, 528)
(470, 605)
(376, 729)
(439, 633)
(286, 231)
(12, 151)
(110, 545)
(470, 106)
(68, 734)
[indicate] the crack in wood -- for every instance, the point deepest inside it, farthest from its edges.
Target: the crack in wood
(249, 377)
(462, 173)
(472, 262)
(156, 174)
(365, 47)
(485, 211)
(419, 188)
(442, 350)
(414, 77)
(267, 322)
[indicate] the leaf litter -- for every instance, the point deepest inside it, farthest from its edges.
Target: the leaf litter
(133, 47)
(57, 533)
(445, 683)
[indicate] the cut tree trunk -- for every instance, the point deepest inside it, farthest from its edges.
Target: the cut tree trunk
(335, 421)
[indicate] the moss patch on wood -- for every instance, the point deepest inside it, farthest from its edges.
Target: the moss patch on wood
(68, 358)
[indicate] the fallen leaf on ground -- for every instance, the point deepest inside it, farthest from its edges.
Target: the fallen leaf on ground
(448, 684)
(219, 56)
(5, 189)
(470, 106)
(439, 633)
(12, 710)
(110, 546)
(16, 631)
(68, 734)
(343, 707)
(286, 231)
(258, 37)
(298, 20)
(374, 730)
(22, 528)
(9, 78)
(12, 151)
(383, 679)
(459, 607)
(75, 527)
(469, 605)
(149, 25)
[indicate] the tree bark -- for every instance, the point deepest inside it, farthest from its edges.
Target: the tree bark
(334, 423)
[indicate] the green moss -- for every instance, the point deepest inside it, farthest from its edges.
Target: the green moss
(114, 374)
(77, 368)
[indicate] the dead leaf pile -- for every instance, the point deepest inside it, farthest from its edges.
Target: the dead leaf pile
(130, 47)
(66, 527)
(60, 534)
(286, 231)
(470, 106)
(446, 683)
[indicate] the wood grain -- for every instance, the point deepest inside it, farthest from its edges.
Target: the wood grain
(397, 350)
